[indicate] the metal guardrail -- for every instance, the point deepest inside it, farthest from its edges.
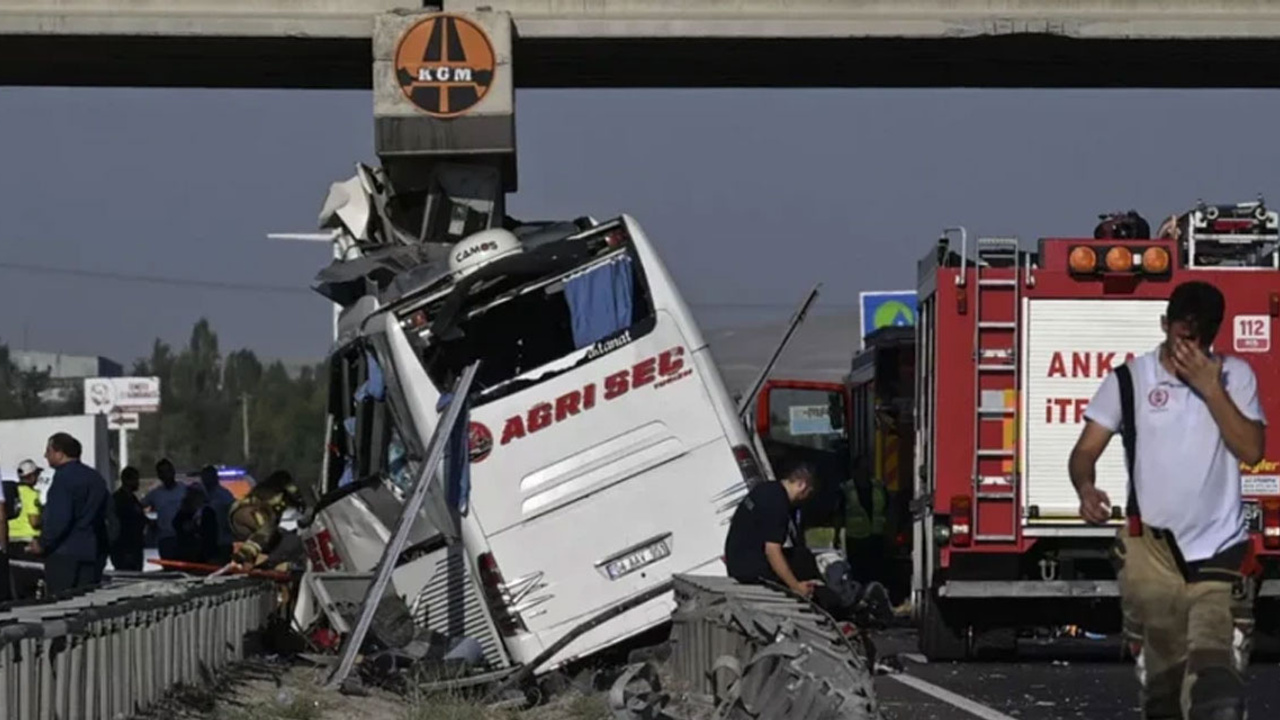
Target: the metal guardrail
(757, 652)
(117, 650)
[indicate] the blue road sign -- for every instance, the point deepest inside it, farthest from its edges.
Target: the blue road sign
(893, 308)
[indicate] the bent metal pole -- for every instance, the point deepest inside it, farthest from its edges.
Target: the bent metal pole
(372, 596)
(745, 403)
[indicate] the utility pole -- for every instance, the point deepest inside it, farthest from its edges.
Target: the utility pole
(244, 421)
(123, 459)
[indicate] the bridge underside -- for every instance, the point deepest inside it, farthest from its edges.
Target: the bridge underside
(1014, 60)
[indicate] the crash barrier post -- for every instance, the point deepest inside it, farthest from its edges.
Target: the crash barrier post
(759, 652)
(117, 650)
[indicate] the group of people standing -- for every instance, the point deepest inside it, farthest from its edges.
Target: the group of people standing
(81, 523)
(192, 520)
(69, 533)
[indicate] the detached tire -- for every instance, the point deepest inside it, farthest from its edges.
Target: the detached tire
(939, 640)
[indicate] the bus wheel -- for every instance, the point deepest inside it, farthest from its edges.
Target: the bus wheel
(939, 639)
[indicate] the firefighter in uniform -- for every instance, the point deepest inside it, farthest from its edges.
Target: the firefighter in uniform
(1188, 418)
(863, 529)
(255, 521)
(864, 525)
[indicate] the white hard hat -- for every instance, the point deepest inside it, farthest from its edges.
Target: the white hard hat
(481, 249)
(26, 467)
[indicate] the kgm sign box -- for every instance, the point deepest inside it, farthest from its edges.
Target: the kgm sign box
(443, 84)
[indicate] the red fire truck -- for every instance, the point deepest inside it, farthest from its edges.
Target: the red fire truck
(1012, 345)
(880, 429)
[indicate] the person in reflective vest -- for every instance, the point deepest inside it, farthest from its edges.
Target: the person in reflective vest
(864, 527)
(24, 528)
(255, 520)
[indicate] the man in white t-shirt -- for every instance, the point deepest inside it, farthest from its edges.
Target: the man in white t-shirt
(1182, 556)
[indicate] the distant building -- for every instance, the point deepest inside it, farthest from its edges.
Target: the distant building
(62, 366)
(66, 372)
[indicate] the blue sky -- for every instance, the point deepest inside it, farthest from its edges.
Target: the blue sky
(752, 195)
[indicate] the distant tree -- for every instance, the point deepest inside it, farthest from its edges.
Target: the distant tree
(203, 397)
(20, 390)
(31, 386)
(72, 405)
(202, 404)
(8, 385)
(242, 373)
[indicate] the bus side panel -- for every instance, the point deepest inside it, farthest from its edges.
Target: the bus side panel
(667, 297)
(726, 412)
(687, 501)
(562, 440)
(562, 494)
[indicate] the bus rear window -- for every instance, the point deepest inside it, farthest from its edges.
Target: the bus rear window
(528, 328)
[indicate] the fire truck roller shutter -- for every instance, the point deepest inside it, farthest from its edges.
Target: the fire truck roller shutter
(1072, 345)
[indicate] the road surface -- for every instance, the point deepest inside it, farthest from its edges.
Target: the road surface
(1076, 680)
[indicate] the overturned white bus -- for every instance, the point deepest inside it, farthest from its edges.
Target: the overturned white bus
(602, 453)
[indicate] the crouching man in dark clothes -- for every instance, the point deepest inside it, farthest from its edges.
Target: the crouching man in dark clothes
(763, 544)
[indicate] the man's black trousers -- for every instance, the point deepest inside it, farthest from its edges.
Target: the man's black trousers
(63, 574)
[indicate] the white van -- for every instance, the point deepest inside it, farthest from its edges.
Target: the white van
(605, 454)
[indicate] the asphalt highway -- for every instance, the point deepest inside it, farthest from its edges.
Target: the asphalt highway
(1049, 680)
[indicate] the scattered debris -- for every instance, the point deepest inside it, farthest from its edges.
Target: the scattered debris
(761, 653)
(888, 665)
(637, 694)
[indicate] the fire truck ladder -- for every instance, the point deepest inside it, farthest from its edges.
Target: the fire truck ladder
(997, 298)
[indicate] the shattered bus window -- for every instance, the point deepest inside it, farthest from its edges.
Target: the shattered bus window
(538, 315)
(344, 377)
(399, 469)
(365, 440)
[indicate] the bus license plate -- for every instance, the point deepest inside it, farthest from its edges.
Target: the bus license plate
(630, 563)
(1253, 515)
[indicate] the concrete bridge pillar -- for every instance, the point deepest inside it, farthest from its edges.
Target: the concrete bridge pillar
(443, 91)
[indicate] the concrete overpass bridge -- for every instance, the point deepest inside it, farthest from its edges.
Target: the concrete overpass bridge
(662, 43)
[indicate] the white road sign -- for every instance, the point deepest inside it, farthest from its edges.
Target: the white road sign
(102, 396)
(123, 420)
(810, 420)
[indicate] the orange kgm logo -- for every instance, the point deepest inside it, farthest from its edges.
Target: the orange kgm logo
(445, 65)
